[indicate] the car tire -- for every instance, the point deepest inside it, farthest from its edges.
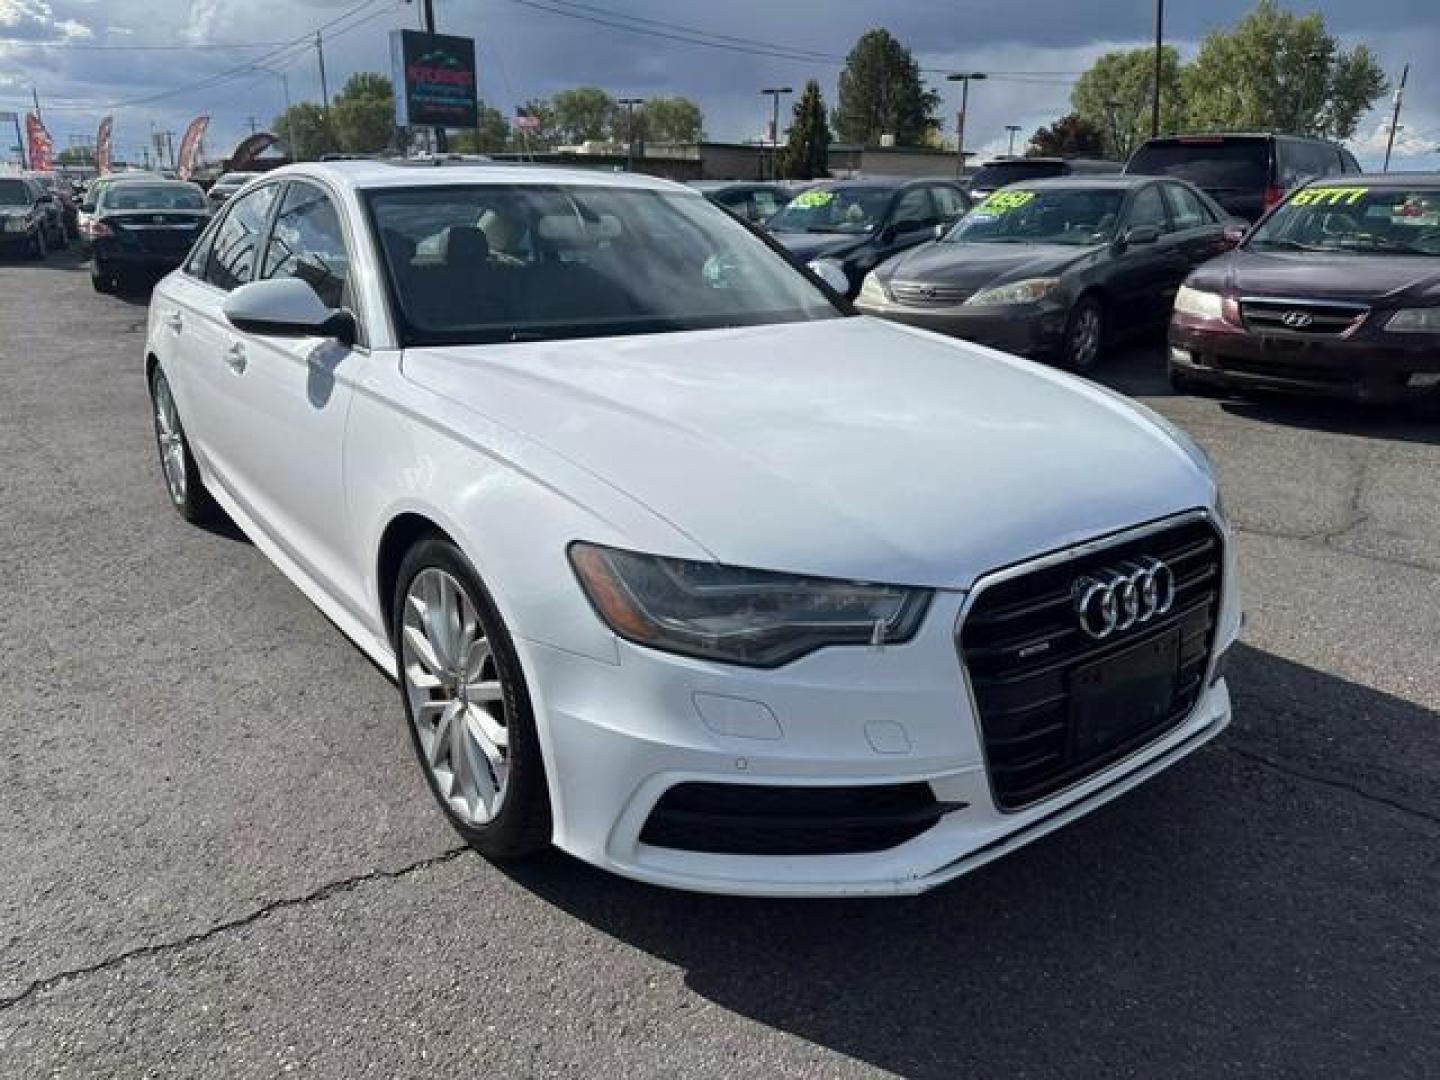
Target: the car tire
(467, 704)
(177, 464)
(1084, 340)
(38, 250)
(103, 283)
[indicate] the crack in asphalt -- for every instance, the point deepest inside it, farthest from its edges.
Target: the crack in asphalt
(324, 892)
(1322, 539)
(1328, 780)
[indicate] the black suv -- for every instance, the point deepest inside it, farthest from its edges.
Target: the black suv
(1246, 174)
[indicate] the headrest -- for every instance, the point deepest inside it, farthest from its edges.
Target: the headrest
(465, 245)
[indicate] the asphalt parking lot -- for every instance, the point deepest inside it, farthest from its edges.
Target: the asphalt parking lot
(219, 858)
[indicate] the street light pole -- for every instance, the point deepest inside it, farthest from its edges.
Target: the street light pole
(1155, 90)
(964, 81)
(1012, 129)
(774, 93)
(629, 103)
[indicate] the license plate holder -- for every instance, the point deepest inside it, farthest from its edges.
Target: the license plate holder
(1126, 693)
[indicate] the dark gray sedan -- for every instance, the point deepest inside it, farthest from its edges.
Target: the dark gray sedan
(1056, 269)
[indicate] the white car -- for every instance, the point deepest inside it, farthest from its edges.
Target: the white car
(680, 565)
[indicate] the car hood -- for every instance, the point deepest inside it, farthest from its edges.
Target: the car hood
(849, 448)
(1321, 275)
(806, 246)
(974, 266)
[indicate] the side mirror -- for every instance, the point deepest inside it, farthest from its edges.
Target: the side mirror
(1140, 234)
(1235, 232)
(831, 273)
(287, 307)
(941, 229)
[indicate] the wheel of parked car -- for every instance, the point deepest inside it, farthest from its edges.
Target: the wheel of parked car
(470, 717)
(39, 249)
(182, 479)
(1084, 334)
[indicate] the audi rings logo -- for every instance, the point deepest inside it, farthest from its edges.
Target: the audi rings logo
(1118, 598)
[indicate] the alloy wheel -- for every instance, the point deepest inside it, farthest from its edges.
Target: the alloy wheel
(171, 441)
(1085, 337)
(456, 697)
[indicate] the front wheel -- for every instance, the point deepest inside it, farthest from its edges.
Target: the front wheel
(38, 249)
(1084, 335)
(465, 696)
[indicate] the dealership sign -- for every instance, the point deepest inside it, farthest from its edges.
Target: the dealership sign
(434, 79)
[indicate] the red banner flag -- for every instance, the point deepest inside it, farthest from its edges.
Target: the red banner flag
(190, 146)
(102, 146)
(41, 147)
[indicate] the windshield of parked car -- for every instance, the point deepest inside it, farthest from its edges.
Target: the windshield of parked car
(520, 262)
(1354, 218)
(1020, 216)
(14, 193)
(1215, 165)
(178, 196)
(848, 209)
(999, 173)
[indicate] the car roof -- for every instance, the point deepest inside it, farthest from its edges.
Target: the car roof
(373, 174)
(727, 185)
(1382, 180)
(1124, 181)
(1210, 138)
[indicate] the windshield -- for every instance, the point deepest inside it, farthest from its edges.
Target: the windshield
(152, 197)
(1016, 216)
(1000, 173)
(833, 209)
(14, 193)
(1215, 166)
(493, 263)
(1354, 218)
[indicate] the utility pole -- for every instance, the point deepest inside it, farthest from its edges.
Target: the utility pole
(320, 55)
(35, 97)
(251, 121)
(170, 146)
(442, 138)
(1155, 90)
(1012, 129)
(629, 104)
(964, 80)
(1395, 117)
(774, 93)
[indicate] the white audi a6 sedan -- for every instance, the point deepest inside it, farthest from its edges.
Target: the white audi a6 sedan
(679, 564)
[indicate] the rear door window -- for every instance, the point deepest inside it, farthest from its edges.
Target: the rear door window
(1218, 165)
(1186, 209)
(1299, 159)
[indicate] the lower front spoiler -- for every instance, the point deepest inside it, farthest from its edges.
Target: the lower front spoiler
(970, 847)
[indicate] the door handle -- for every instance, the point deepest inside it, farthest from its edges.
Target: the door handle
(235, 358)
(174, 321)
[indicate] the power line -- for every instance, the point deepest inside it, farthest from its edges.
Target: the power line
(85, 46)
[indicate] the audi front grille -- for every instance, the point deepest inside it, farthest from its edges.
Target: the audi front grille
(1033, 668)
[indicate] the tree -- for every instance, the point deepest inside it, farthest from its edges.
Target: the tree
(1277, 71)
(881, 94)
(363, 114)
(306, 131)
(490, 135)
(584, 114)
(806, 155)
(1070, 136)
(1115, 96)
(76, 155)
(671, 120)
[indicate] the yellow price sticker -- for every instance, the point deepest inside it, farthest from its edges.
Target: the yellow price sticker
(1329, 196)
(814, 198)
(1002, 201)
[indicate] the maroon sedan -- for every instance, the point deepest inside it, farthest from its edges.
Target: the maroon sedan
(1336, 291)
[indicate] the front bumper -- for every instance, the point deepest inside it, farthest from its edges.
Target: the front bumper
(1031, 330)
(619, 736)
(11, 242)
(1369, 366)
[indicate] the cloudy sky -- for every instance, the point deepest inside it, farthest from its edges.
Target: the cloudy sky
(81, 56)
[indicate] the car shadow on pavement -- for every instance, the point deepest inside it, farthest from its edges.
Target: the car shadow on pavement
(1412, 423)
(1239, 914)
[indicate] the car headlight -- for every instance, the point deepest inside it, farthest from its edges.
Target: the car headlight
(1199, 303)
(873, 290)
(753, 617)
(1028, 291)
(1415, 320)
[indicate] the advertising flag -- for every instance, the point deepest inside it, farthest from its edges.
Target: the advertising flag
(41, 147)
(190, 146)
(102, 146)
